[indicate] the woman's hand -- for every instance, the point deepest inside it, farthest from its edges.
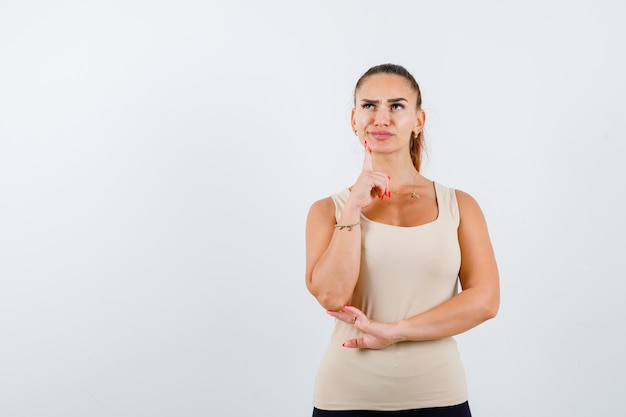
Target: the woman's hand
(370, 184)
(376, 335)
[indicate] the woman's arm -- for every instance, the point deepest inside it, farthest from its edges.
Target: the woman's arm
(477, 302)
(480, 296)
(333, 256)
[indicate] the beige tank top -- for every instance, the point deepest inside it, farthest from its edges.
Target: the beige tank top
(404, 271)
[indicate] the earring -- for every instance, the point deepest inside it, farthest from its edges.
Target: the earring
(356, 133)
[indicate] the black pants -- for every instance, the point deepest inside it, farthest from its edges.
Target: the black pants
(461, 410)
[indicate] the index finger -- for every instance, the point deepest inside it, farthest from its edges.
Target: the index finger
(367, 159)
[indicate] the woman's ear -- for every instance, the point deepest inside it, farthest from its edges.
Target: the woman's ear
(352, 121)
(420, 120)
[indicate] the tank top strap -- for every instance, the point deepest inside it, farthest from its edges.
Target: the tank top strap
(340, 199)
(447, 203)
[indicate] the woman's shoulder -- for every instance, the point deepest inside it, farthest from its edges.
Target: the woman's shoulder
(321, 212)
(465, 199)
(469, 209)
(332, 201)
(462, 197)
(330, 206)
(461, 203)
(323, 204)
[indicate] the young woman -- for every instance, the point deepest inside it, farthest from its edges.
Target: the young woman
(385, 257)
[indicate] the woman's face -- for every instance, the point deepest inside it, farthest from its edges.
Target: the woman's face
(386, 113)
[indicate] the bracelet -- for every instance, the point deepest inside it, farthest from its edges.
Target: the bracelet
(349, 226)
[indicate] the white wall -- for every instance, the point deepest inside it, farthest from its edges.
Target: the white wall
(157, 161)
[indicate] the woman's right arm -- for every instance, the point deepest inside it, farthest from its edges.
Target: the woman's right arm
(333, 256)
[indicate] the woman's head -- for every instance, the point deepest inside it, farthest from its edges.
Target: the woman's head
(382, 72)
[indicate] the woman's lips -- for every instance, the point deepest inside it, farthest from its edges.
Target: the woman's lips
(381, 134)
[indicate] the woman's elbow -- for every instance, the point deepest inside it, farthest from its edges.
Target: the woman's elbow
(490, 312)
(332, 302)
(490, 306)
(329, 295)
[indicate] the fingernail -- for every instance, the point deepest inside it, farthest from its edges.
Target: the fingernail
(388, 177)
(346, 305)
(343, 345)
(388, 193)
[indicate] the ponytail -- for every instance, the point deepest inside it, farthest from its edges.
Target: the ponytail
(416, 146)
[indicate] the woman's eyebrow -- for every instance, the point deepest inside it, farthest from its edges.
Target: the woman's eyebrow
(391, 100)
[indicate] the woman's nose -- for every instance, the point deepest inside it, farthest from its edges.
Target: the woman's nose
(382, 117)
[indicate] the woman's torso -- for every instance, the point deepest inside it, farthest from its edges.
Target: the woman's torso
(404, 271)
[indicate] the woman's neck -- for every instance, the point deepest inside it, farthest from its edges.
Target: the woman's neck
(401, 170)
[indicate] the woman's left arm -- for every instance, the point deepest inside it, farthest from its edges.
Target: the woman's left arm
(477, 302)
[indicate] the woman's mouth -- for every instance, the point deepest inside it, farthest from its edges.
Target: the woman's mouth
(381, 134)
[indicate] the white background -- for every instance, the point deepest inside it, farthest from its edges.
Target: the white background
(157, 161)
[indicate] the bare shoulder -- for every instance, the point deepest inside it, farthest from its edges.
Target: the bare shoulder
(324, 205)
(468, 206)
(464, 198)
(322, 209)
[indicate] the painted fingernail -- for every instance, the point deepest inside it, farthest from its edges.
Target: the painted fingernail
(346, 305)
(388, 193)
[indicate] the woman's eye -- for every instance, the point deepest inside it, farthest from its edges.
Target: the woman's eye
(397, 106)
(367, 106)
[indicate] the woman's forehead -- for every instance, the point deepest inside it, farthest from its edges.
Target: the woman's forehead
(384, 85)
